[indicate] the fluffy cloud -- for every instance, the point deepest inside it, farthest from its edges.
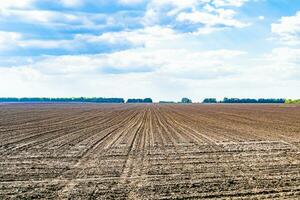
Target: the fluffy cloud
(137, 48)
(130, 1)
(288, 29)
(165, 61)
(221, 18)
(15, 4)
(49, 18)
(71, 3)
(283, 63)
(12, 41)
(147, 37)
(196, 16)
(4, 4)
(235, 3)
(160, 20)
(163, 74)
(150, 37)
(8, 39)
(133, 72)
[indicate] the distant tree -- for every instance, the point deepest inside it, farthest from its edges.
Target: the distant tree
(146, 100)
(290, 101)
(186, 100)
(134, 100)
(210, 100)
(271, 100)
(237, 100)
(166, 102)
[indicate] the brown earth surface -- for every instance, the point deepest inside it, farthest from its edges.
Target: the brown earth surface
(122, 151)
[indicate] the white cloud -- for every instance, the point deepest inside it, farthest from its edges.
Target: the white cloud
(162, 59)
(209, 15)
(223, 17)
(141, 60)
(130, 73)
(235, 3)
(280, 66)
(47, 44)
(150, 37)
(13, 40)
(4, 4)
(178, 3)
(285, 63)
(26, 4)
(147, 37)
(47, 18)
(130, 1)
(195, 3)
(156, 71)
(172, 73)
(213, 15)
(288, 29)
(29, 15)
(9, 39)
(71, 3)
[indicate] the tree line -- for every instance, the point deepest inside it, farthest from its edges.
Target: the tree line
(146, 100)
(72, 100)
(245, 100)
(62, 100)
(290, 101)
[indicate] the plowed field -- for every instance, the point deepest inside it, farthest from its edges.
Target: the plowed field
(87, 151)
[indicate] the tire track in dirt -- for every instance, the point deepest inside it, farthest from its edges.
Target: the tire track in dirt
(99, 145)
(133, 153)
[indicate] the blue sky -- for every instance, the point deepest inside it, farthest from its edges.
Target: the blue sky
(164, 49)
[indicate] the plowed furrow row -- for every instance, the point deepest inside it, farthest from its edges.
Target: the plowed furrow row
(149, 151)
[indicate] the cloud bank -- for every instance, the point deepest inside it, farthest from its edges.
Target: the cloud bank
(165, 49)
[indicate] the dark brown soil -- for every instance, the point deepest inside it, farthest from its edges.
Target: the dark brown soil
(89, 151)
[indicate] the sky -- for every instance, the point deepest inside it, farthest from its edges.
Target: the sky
(164, 49)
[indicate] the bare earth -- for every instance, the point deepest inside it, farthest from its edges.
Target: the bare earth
(87, 151)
